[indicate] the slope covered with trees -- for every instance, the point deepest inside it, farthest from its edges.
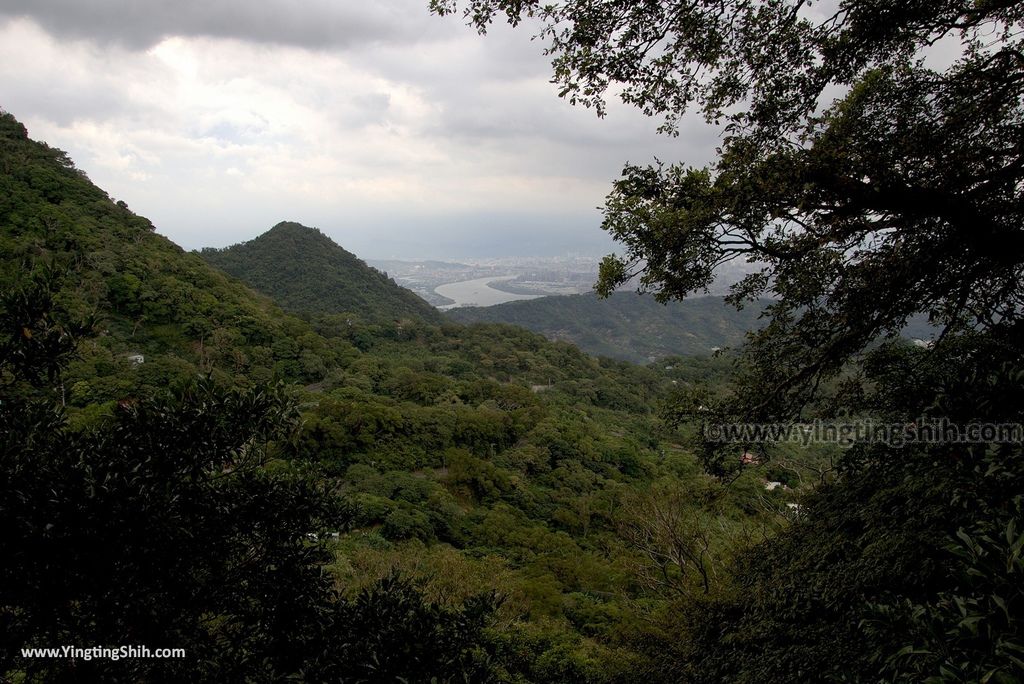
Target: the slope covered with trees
(137, 515)
(626, 325)
(184, 464)
(308, 273)
(560, 518)
(873, 183)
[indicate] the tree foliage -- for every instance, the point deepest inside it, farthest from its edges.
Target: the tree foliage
(870, 170)
(899, 196)
(162, 527)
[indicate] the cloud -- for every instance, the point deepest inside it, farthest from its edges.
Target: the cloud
(442, 140)
(309, 23)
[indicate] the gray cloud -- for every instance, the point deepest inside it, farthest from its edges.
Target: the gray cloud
(495, 91)
(63, 104)
(311, 24)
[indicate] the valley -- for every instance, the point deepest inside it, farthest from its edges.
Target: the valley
(434, 454)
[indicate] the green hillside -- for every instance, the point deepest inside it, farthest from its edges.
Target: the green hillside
(308, 273)
(626, 325)
(470, 460)
(148, 296)
(344, 498)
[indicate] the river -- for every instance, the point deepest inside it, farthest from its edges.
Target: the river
(477, 292)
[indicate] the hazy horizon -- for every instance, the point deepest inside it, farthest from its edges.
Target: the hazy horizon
(507, 241)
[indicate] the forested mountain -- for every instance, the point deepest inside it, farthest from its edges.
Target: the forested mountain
(308, 273)
(148, 296)
(626, 325)
(185, 464)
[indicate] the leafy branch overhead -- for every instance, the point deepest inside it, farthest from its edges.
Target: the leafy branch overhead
(862, 183)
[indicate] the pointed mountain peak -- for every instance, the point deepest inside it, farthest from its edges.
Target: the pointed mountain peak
(307, 272)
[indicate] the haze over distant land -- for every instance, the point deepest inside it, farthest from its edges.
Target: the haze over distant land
(399, 134)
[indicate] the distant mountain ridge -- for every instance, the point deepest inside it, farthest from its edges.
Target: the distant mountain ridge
(637, 328)
(306, 272)
(626, 325)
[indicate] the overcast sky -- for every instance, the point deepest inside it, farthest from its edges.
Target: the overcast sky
(397, 133)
